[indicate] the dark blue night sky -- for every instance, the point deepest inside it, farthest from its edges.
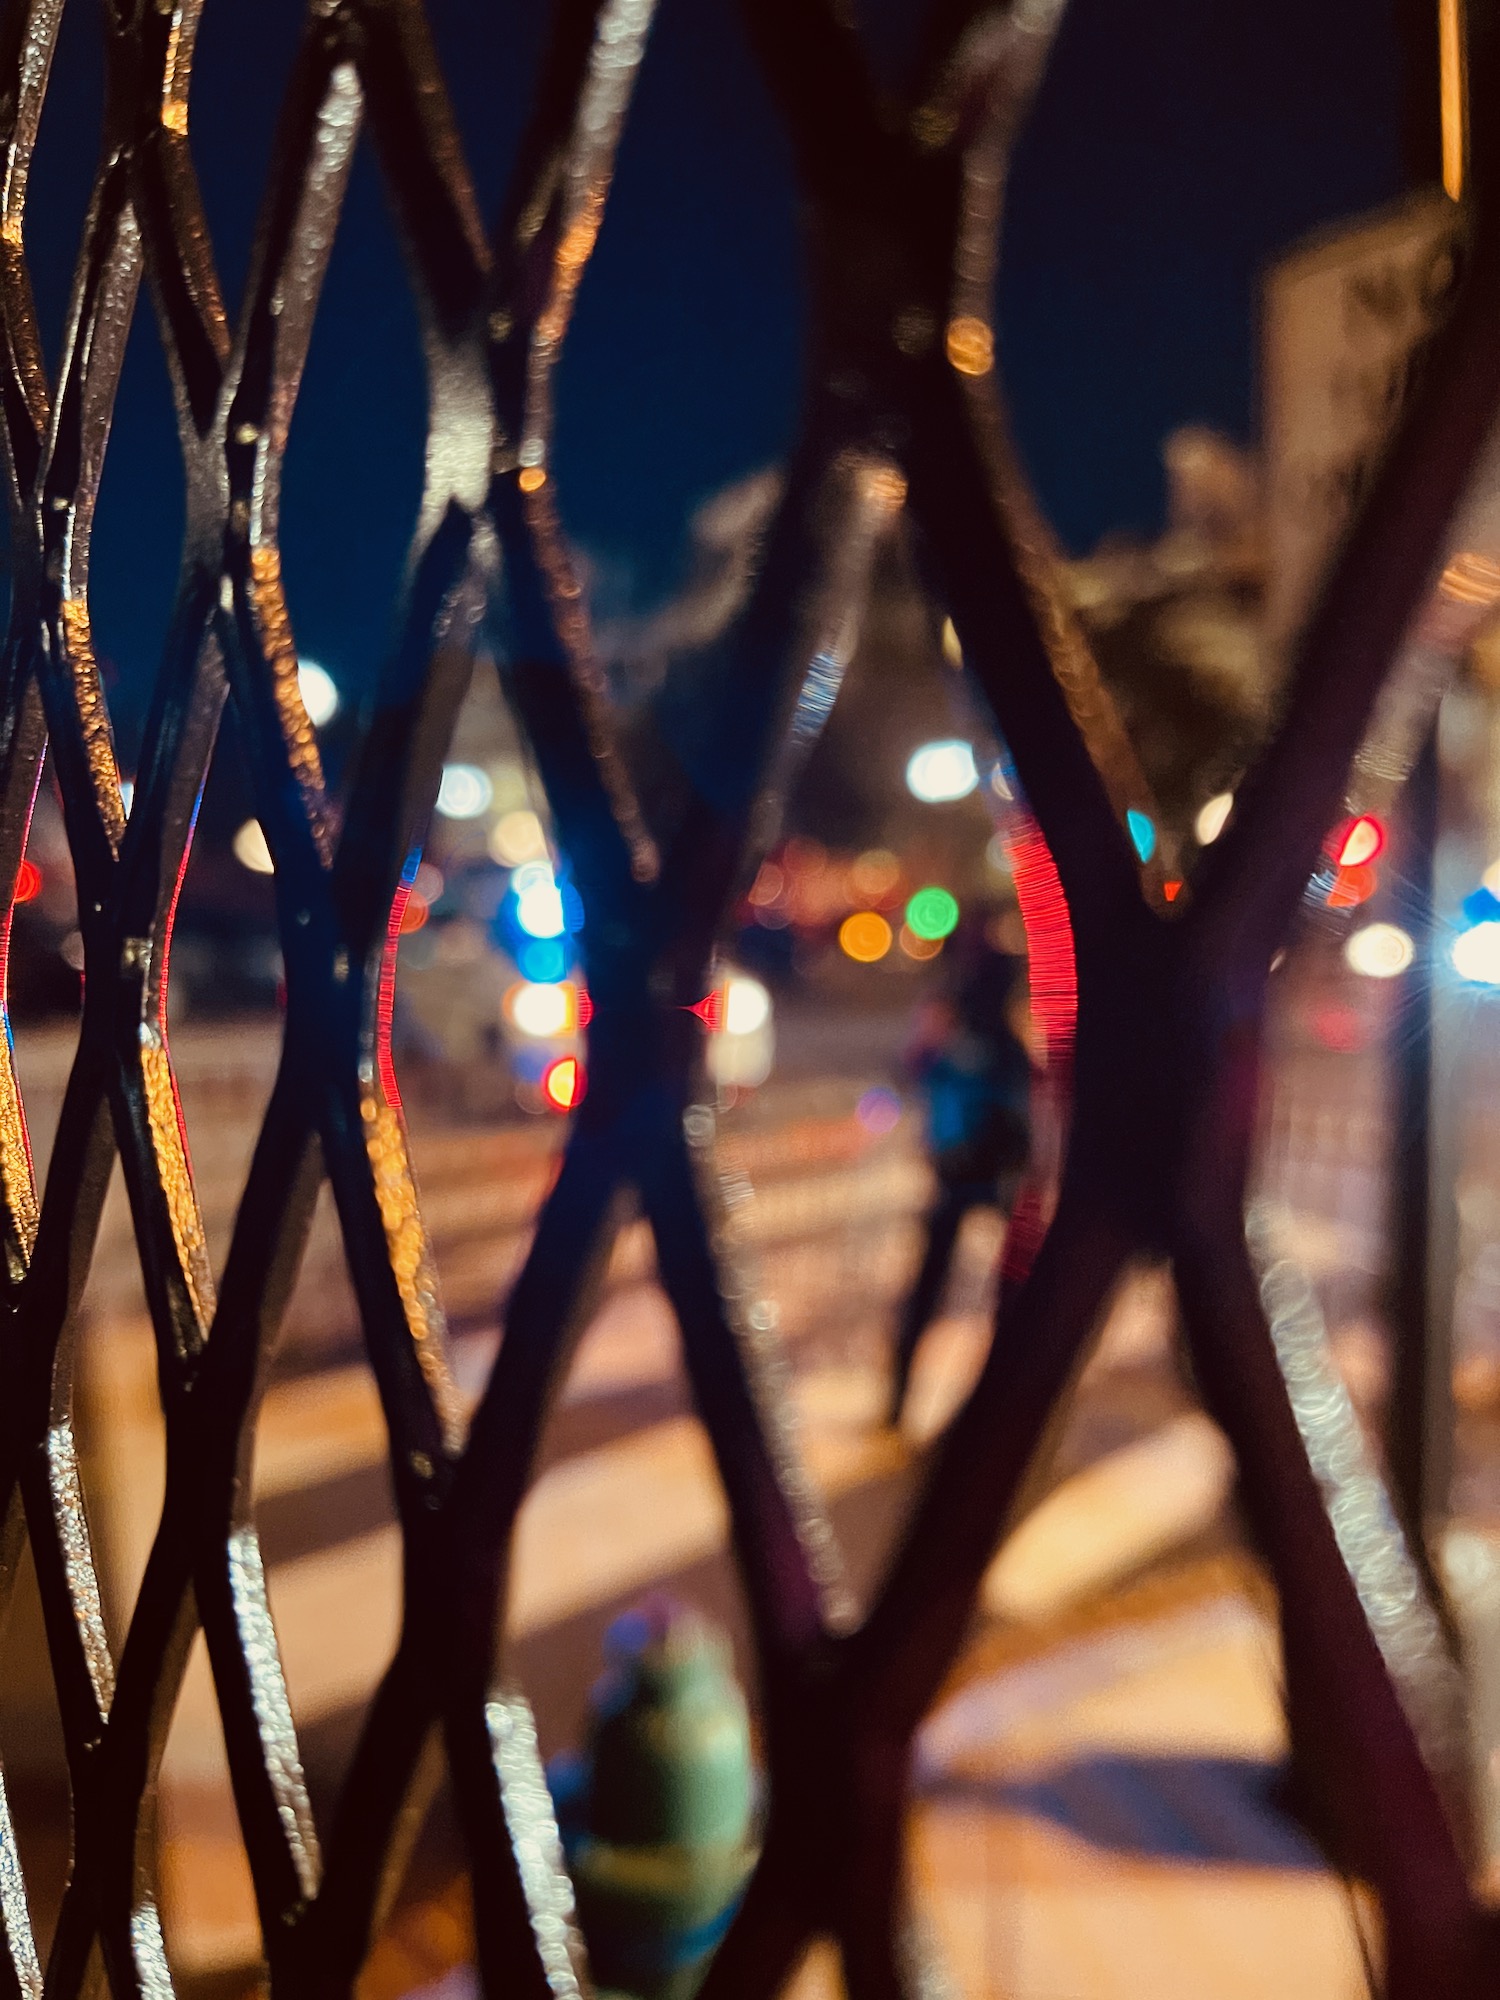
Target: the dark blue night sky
(1175, 148)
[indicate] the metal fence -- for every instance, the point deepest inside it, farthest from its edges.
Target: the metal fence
(901, 203)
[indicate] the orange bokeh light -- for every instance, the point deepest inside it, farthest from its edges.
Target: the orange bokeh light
(865, 937)
(414, 914)
(1352, 886)
(875, 874)
(28, 881)
(564, 1083)
(918, 947)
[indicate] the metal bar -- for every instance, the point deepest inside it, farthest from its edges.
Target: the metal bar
(904, 210)
(1419, 1407)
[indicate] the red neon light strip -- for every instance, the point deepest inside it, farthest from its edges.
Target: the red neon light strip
(1053, 974)
(1049, 939)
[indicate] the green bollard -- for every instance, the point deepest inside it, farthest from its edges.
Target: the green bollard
(656, 1814)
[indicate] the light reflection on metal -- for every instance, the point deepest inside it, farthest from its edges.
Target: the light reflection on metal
(150, 1951)
(14, 1912)
(724, 1200)
(169, 1137)
(876, 493)
(817, 698)
(1456, 618)
(1452, 89)
(273, 1710)
(1370, 1538)
(989, 79)
(93, 717)
(274, 634)
(76, 1553)
(537, 1844)
(411, 1262)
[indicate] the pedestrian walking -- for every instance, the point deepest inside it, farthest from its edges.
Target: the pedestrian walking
(974, 1075)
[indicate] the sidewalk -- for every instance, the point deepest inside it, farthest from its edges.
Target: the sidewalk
(1095, 1814)
(1099, 1824)
(1095, 1822)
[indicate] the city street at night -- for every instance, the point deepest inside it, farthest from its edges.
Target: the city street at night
(749, 1000)
(1108, 1758)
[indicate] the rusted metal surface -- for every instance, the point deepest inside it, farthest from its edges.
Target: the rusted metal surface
(902, 204)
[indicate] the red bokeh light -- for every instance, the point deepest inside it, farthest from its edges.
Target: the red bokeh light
(1357, 844)
(1342, 1029)
(28, 881)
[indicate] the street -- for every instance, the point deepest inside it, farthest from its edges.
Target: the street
(1097, 1813)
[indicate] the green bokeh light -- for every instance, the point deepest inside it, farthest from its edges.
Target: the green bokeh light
(931, 913)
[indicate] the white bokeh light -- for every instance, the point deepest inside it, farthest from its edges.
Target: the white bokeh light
(942, 771)
(465, 791)
(251, 851)
(542, 1011)
(319, 690)
(747, 1005)
(1213, 818)
(1379, 951)
(1476, 955)
(539, 903)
